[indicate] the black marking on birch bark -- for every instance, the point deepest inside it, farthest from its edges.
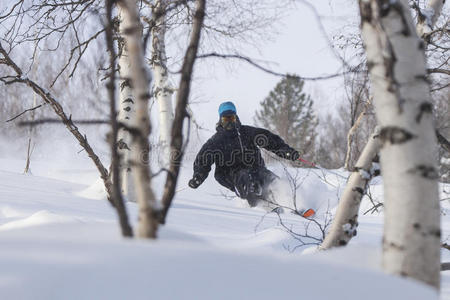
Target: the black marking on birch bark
(127, 118)
(127, 108)
(358, 190)
(425, 107)
(125, 83)
(122, 145)
(416, 226)
(128, 100)
(356, 169)
(167, 90)
(428, 172)
(395, 135)
(389, 63)
(121, 47)
(156, 90)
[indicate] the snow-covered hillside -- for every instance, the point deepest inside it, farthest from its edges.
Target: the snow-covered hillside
(60, 240)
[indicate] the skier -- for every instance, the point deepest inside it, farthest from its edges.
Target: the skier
(234, 148)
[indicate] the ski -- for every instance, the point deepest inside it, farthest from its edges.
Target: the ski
(308, 213)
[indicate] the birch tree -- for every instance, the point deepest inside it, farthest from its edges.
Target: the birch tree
(397, 68)
(126, 114)
(426, 18)
(140, 128)
(115, 158)
(345, 222)
(162, 90)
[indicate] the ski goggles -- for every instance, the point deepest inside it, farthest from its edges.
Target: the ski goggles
(228, 118)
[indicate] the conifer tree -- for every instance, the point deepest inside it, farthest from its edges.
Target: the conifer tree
(288, 112)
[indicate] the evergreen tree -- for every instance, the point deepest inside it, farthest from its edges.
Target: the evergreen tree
(288, 112)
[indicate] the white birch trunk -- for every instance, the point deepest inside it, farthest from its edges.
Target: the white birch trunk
(126, 115)
(428, 17)
(162, 90)
(351, 134)
(140, 83)
(345, 221)
(396, 61)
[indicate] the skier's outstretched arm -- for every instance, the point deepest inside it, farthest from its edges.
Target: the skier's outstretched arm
(265, 139)
(202, 164)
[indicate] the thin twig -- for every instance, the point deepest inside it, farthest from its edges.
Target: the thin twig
(25, 111)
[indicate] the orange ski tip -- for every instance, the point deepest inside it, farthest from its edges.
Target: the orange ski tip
(309, 213)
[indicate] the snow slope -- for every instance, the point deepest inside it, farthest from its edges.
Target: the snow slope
(60, 240)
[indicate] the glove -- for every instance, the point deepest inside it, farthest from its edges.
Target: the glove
(195, 181)
(294, 155)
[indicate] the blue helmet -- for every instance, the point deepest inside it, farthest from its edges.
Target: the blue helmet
(227, 108)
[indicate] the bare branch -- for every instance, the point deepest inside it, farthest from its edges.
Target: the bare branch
(82, 47)
(25, 111)
(445, 246)
(436, 70)
(445, 266)
(258, 66)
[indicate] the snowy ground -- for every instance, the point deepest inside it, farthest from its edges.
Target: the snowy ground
(60, 240)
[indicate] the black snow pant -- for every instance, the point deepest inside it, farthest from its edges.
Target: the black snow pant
(253, 184)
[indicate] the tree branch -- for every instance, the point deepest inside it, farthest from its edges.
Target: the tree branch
(25, 111)
(445, 266)
(258, 66)
(437, 70)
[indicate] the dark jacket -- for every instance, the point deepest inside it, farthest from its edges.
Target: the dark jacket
(238, 149)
